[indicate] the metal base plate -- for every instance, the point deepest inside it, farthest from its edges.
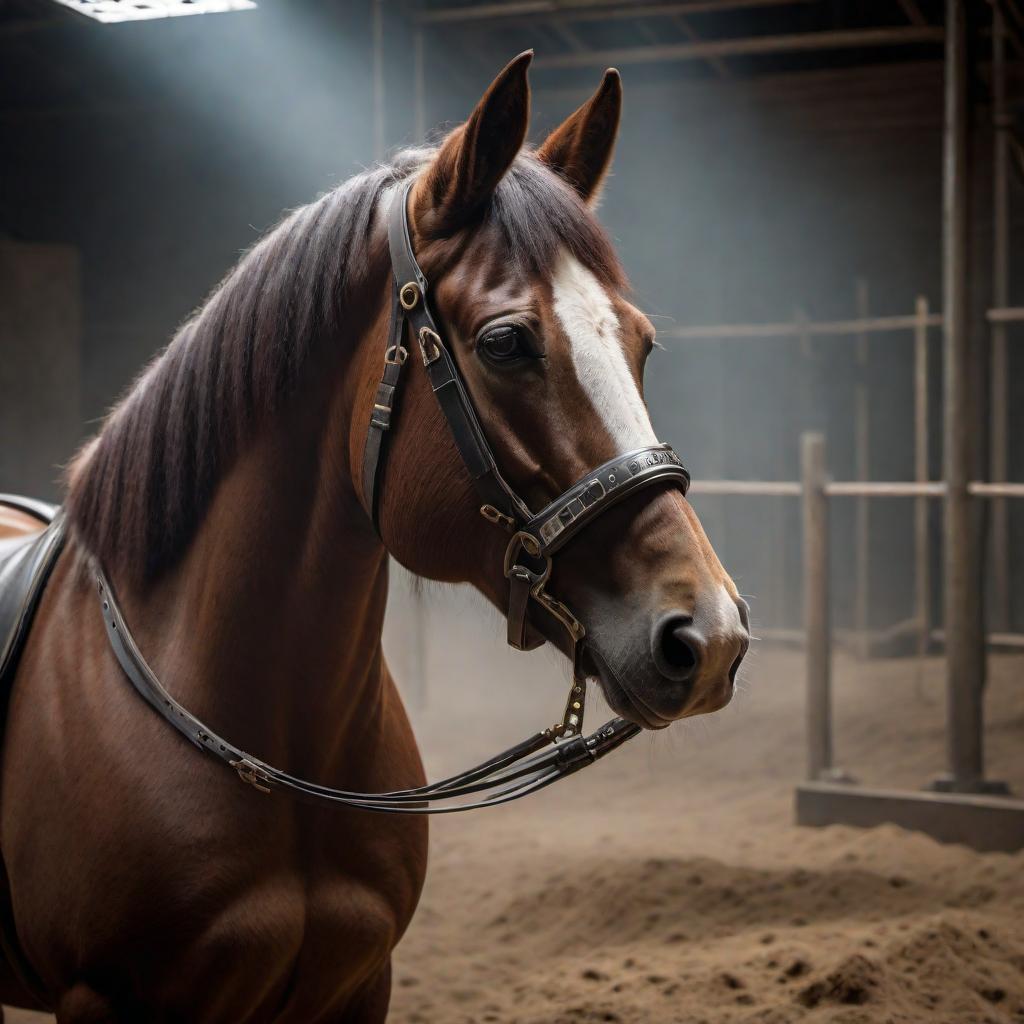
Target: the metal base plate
(984, 822)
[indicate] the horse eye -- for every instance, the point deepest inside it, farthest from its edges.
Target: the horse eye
(503, 344)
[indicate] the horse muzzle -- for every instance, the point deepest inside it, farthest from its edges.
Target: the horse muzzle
(657, 668)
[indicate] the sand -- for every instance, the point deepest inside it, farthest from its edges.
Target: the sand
(668, 884)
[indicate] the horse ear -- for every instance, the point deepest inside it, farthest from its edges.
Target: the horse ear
(580, 150)
(474, 157)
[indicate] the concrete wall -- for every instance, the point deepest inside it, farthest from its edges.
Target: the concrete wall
(40, 365)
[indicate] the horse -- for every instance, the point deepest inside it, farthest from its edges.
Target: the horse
(224, 498)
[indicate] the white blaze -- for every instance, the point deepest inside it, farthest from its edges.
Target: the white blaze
(589, 321)
(718, 614)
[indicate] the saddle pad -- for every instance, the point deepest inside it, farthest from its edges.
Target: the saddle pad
(25, 566)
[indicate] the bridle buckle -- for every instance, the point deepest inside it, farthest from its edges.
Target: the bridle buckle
(572, 719)
(396, 355)
(492, 515)
(523, 541)
(409, 295)
(430, 345)
(252, 774)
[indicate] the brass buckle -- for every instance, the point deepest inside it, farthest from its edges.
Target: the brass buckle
(409, 295)
(433, 339)
(252, 774)
(396, 355)
(492, 515)
(575, 706)
(555, 607)
(527, 543)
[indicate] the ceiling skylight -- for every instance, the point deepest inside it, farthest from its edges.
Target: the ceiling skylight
(145, 10)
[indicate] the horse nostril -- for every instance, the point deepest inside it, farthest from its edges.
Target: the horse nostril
(676, 647)
(739, 658)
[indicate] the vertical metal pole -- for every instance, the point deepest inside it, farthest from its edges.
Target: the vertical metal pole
(862, 456)
(378, 79)
(419, 85)
(999, 380)
(817, 625)
(964, 603)
(922, 562)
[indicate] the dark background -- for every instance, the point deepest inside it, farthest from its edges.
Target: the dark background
(747, 189)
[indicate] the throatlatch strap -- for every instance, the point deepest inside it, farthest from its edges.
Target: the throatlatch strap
(383, 408)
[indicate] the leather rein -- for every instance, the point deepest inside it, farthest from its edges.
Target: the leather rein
(534, 539)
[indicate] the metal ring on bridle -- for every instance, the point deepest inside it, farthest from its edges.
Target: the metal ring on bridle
(528, 543)
(409, 295)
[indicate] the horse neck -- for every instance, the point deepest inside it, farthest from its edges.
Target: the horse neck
(271, 624)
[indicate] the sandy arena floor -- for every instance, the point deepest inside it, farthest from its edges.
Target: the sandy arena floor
(668, 884)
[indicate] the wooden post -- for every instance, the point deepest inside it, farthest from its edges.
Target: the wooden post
(817, 625)
(999, 380)
(964, 602)
(862, 471)
(922, 549)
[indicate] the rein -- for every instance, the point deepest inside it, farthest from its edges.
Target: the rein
(534, 540)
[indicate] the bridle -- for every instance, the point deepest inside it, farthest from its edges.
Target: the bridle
(534, 540)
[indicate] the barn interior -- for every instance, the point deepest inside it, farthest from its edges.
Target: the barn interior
(818, 203)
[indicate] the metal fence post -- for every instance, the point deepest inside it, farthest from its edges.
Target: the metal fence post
(963, 607)
(862, 471)
(1002, 122)
(817, 624)
(922, 548)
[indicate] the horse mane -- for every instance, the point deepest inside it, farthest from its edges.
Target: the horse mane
(138, 491)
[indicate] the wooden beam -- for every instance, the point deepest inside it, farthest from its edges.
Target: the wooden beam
(798, 42)
(717, 63)
(816, 328)
(592, 10)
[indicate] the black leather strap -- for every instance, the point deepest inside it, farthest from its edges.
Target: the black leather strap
(508, 776)
(384, 406)
(410, 313)
(528, 557)
(602, 488)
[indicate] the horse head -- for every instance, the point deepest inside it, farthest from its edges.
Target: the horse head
(529, 297)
